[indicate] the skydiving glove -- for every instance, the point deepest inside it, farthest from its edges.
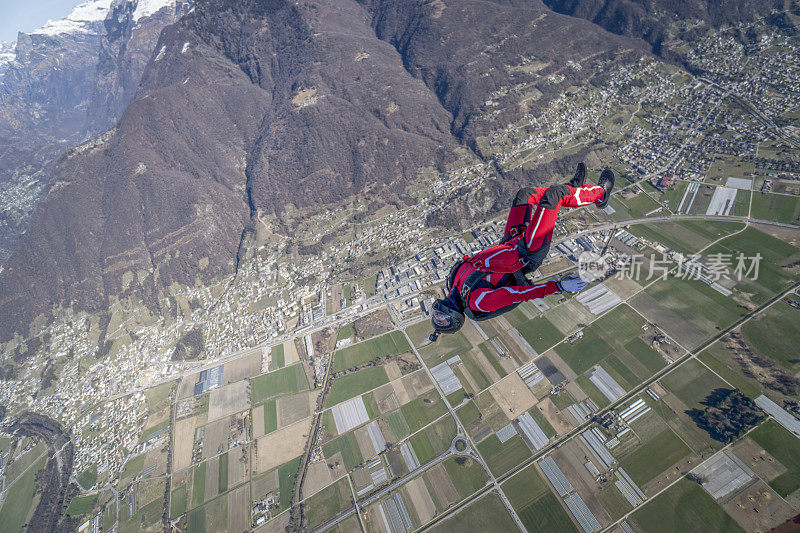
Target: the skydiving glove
(571, 283)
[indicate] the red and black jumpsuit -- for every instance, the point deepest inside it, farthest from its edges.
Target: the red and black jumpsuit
(525, 245)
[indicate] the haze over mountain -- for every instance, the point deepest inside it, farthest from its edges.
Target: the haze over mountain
(243, 112)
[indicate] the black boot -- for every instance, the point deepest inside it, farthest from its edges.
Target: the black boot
(580, 176)
(607, 183)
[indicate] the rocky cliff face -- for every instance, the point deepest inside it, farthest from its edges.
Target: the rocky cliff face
(69, 79)
(131, 30)
(259, 106)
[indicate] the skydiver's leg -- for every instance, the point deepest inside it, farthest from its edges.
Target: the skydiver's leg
(535, 244)
(520, 213)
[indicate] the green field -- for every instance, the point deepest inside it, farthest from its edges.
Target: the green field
(493, 359)
(540, 333)
(692, 382)
(177, 502)
(698, 512)
(151, 431)
(784, 447)
(782, 349)
(692, 299)
(223, 473)
(467, 477)
(270, 414)
(423, 409)
(398, 425)
(779, 207)
(347, 444)
(772, 277)
(133, 467)
(81, 505)
(586, 352)
(647, 356)
(542, 422)
(371, 405)
(649, 460)
(287, 473)
(433, 440)
(632, 208)
(198, 484)
(346, 332)
(546, 514)
(685, 236)
(592, 391)
(284, 381)
(328, 502)
(422, 447)
(158, 397)
(475, 371)
(446, 347)
(197, 521)
(278, 357)
(614, 337)
(716, 357)
(486, 514)
(374, 349)
(355, 384)
(503, 456)
(19, 499)
(88, 477)
(524, 487)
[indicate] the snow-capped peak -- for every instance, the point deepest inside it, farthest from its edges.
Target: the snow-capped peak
(81, 20)
(146, 8)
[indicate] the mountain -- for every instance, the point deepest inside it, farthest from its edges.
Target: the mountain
(658, 21)
(269, 107)
(62, 83)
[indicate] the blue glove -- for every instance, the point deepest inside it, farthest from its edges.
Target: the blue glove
(571, 283)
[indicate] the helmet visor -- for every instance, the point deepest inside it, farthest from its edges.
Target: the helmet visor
(441, 319)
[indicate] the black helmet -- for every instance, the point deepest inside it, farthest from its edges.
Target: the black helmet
(445, 316)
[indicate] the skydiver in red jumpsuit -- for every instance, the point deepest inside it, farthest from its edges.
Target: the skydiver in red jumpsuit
(492, 281)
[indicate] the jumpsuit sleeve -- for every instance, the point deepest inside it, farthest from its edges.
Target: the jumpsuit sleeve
(488, 300)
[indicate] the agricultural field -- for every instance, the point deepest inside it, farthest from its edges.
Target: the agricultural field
(355, 384)
(614, 342)
(372, 350)
(628, 206)
(328, 502)
(684, 236)
(760, 334)
(540, 333)
(772, 275)
(778, 207)
(503, 456)
(486, 514)
(423, 410)
(784, 447)
(284, 381)
(698, 511)
(19, 501)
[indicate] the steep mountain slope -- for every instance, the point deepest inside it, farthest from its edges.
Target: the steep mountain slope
(654, 21)
(265, 107)
(59, 83)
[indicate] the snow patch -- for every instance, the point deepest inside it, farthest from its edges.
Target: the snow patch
(185, 48)
(81, 20)
(7, 53)
(146, 8)
(161, 52)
